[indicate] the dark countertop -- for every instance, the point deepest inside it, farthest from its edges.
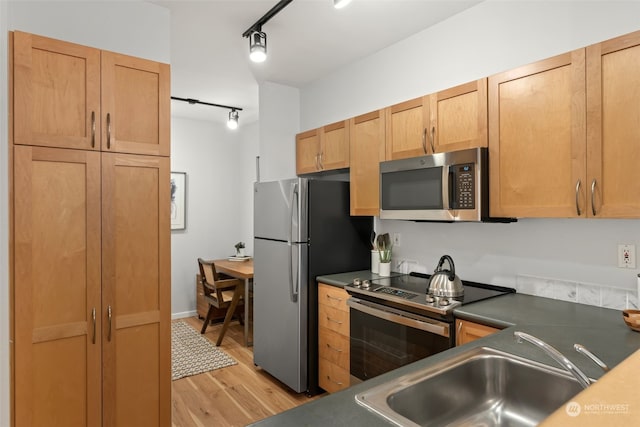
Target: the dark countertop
(559, 323)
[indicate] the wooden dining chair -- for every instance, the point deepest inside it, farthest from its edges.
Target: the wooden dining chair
(221, 292)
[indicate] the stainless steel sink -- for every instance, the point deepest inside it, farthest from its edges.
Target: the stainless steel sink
(482, 387)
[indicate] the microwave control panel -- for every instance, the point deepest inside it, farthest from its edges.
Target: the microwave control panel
(465, 194)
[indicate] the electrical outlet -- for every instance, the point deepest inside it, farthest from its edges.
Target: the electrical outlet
(396, 239)
(627, 256)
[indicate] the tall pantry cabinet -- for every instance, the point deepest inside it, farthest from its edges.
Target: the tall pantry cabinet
(91, 236)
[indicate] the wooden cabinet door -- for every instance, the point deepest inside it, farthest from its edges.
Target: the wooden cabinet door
(459, 117)
(333, 338)
(537, 139)
(334, 146)
(470, 331)
(613, 128)
(57, 287)
(136, 290)
(367, 151)
(307, 152)
(136, 106)
(56, 93)
(406, 131)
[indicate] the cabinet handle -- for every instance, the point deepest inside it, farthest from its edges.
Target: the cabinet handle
(578, 198)
(109, 316)
(334, 348)
(334, 321)
(318, 161)
(321, 165)
(93, 129)
(433, 137)
(108, 131)
(424, 140)
(459, 331)
(593, 201)
(333, 381)
(334, 298)
(93, 317)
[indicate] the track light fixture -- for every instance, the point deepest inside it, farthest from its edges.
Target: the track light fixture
(257, 38)
(258, 46)
(232, 123)
(339, 4)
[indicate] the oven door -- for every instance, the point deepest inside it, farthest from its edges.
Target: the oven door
(383, 338)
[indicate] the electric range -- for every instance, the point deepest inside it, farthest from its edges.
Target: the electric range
(410, 293)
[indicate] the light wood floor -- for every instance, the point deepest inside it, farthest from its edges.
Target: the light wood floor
(233, 396)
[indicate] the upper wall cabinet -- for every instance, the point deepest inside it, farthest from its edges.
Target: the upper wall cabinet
(135, 112)
(406, 130)
(56, 93)
(537, 139)
(323, 149)
(334, 146)
(308, 152)
(72, 96)
(612, 187)
(367, 151)
(459, 117)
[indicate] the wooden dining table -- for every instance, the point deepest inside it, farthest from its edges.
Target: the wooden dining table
(241, 270)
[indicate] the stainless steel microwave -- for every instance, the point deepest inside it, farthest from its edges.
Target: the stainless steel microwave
(447, 187)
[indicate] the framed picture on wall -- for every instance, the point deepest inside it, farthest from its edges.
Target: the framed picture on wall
(178, 199)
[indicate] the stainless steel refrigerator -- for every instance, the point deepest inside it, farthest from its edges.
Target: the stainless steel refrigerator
(302, 230)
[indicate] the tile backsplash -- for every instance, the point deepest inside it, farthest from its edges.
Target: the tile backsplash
(582, 293)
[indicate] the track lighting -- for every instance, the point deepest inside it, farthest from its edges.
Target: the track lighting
(258, 46)
(258, 39)
(232, 123)
(339, 4)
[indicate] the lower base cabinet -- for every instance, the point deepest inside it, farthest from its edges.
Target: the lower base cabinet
(467, 331)
(333, 338)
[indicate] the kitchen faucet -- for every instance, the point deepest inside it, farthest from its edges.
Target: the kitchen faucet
(555, 355)
(595, 359)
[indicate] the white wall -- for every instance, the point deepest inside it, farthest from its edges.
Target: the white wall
(218, 189)
(134, 28)
(491, 37)
(249, 151)
(279, 107)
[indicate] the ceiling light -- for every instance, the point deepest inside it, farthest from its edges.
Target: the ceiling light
(339, 4)
(232, 123)
(258, 39)
(258, 46)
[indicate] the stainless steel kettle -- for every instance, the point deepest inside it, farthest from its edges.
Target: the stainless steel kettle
(445, 283)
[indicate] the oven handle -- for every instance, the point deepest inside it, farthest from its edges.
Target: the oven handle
(380, 311)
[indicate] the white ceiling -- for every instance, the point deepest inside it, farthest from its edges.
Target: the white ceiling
(307, 40)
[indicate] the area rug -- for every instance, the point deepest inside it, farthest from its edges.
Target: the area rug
(193, 354)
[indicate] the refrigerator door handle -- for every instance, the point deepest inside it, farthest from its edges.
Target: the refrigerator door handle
(293, 196)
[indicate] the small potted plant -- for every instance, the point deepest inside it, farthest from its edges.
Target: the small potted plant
(384, 269)
(239, 249)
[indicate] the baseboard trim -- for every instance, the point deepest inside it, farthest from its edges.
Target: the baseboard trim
(183, 314)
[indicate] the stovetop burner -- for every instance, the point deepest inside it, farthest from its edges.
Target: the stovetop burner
(410, 292)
